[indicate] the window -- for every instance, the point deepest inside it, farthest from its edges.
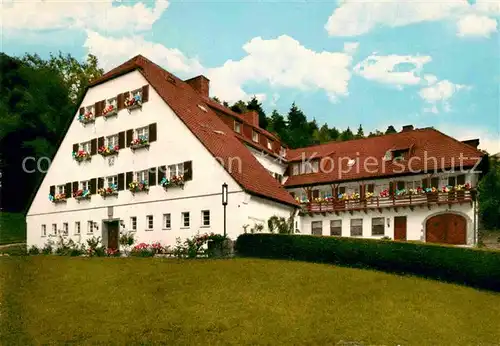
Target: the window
(205, 218)
(461, 179)
(111, 101)
(137, 92)
(435, 182)
(143, 131)
(77, 227)
(269, 144)
(370, 188)
(112, 180)
(342, 190)
(336, 228)
(176, 170)
(400, 154)
(65, 228)
(61, 189)
(167, 223)
(378, 226)
(141, 175)
(84, 185)
(315, 166)
(90, 227)
(400, 185)
(282, 151)
(85, 146)
(149, 221)
(237, 127)
(295, 169)
(356, 227)
(185, 219)
(133, 223)
(112, 141)
(44, 230)
(317, 227)
(54, 229)
(89, 109)
(255, 136)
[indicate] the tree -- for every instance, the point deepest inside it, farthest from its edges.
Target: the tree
(277, 124)
(390, 130)
(322, 135)
(489, 197)
(239, 107)
(216, 99)
(346, 135)
(334, 133)
(298, 128)
(376, 133)
(360, 133)
(255, 105)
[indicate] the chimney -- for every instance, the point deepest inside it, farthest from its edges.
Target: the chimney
(407, 128)
(252, 117)
(200, 84)
(472, 142)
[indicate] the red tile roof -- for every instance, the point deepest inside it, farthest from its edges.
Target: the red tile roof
(423, 143)
(212, 132)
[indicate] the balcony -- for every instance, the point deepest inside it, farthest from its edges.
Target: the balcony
(378, 203)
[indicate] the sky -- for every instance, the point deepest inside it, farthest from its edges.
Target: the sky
(344, 63)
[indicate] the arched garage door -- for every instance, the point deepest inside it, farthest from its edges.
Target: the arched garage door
(446, 229)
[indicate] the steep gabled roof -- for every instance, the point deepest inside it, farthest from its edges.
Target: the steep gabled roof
(422, 143)
(210, 130)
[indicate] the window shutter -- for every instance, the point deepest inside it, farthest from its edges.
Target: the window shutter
(435, 182)
(315, 193)
(97, 108)
(161, 173)
(121, 182)
(67, 190)
(100, 183)
(145, 93)
(75, 147)
(93, 146)
(425, 183)
(82, 111)
(119, 101)
(93, 186)
(152, 132)
(102, 106)
(100, 142)
(125, 96)
(52, 190)
(121, 139)
(461, 179)
(362, 191)
(130, 137)
(391, 188)
(152, 176)
(188, 170)
(129, 178)
(75, 186)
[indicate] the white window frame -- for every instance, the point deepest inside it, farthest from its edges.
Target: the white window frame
(352, 224)
(149, 222)
(113, 179)
(185, 216)
(136, 92)
(334, 225)
(295, 168)
(54, 229)
(65, 229)
(133, 223)
(89, 109)
(237, 126)
(380, 221)
(85, 146)
(112, 140)
(139, 175)
(176, 169)
(90, 227)
(255, 136)
(112, 101)
(315, 166)
(167, 221)
(142, 131)
(269, 144)
(205, 215)
(85, 185)
(78, 229)
(61, 189)
(44, 230)
(315, 223)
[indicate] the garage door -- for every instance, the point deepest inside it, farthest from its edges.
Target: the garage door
(446, 229)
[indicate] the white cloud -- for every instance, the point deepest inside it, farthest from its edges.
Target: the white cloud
(440, 93)
(102, 15)
(384, 69)
(430, 79)
(473, 25)
(351, 47)
(353, 17)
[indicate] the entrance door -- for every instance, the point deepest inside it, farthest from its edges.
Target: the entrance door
(400, 228)
(446, 229)
(113, 228)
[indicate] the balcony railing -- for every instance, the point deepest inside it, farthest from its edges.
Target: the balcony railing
(376, 202)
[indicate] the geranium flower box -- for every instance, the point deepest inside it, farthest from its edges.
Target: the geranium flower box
(81, 155)
(109, 111)
(108, 191)
(136, 186)
(81, 195)
(58, 198)
(87, 117)
(108, 150)
(133, 102)
(177, 180)
(141, 142)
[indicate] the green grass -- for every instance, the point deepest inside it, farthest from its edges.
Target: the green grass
(136, 301)
(12, 228)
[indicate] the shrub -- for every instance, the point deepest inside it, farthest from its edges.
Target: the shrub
(142, 250)
(479, 268)
(48, 248)
(94, 247)
(34, 250)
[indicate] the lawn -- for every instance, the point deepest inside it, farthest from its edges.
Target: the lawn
(12, 228)
(118, 301)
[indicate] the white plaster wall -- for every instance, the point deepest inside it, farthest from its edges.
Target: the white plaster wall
(415, 227)
(260, 210)
(175, 143)
(269, 162)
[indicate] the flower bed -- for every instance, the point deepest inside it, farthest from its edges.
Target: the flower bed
(111, 190)
(57, 198)
(133, 102)
(112, 252)
(109, 111)
(177, 180)
(81, 194)
(87, 117)
(140, 142)
(81, 155)
(108, 150)
(146, 250)
(138, 186)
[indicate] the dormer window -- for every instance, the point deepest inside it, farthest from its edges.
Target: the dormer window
(255, 137)
(388, 155)
(283, 151)
(269, 144)
(237, 127)
(400, 154)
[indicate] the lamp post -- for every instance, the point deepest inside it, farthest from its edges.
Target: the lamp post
(224, 203)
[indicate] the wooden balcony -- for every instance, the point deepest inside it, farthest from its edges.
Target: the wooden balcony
(378, 203)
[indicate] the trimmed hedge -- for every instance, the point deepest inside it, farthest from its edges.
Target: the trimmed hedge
(477, 268)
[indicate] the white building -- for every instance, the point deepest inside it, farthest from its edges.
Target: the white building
(173, 134)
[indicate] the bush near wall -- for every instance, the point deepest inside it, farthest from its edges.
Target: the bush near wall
(478, 268)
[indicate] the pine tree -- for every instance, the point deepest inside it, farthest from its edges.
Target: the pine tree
(255, 105)
(347, 135)
(239, 107)
(216, 99)
(360, 133)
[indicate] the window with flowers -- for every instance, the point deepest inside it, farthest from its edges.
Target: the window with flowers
(85, 146)
(61, 189)
(112, 141)
(110, 108)
(142, 132)
(112, 181)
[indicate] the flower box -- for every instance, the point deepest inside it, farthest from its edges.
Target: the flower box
(87, 117)
(109, 111)
(81, 155)
(177, 180)
(81, 194)
(141, 142)
(108, 191)
(136, 186)
(108, 150)
(133, 102)
(58, 198)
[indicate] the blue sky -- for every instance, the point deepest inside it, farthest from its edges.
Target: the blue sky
(344, 63)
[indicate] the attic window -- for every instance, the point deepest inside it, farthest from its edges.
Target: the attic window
(351, 162)
(400, 154)
(202, 108)
(219, 132)
(255, 136)
(237, 127)
(388, 155)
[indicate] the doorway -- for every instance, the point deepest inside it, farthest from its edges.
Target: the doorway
(400, 228)
(113, 234)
